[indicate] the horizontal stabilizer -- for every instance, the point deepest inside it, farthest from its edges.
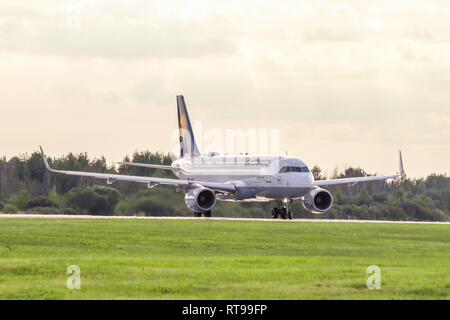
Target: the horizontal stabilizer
(150, 165)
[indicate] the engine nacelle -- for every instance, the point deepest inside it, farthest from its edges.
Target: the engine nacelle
(200, 199)
(318, 200)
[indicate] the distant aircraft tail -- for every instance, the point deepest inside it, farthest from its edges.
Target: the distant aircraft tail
(187, 140)
(401, 170)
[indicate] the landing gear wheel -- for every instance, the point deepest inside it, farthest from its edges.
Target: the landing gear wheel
(275, 213)
(283, 213)
(197, 214)
(207, 214)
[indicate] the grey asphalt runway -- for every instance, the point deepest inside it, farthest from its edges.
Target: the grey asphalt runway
(55, 216)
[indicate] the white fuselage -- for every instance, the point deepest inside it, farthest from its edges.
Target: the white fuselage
(257, 178)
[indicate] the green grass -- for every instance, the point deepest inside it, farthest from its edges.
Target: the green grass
(206, 259)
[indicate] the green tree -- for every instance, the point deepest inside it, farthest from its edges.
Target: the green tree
(94, 200)
(317, 173)
(53, 196)
(10, 209)
(21, 199)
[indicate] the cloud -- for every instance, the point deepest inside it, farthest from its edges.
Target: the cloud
(326, 73)
(130, 30)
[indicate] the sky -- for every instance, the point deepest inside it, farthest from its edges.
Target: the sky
(337, 83)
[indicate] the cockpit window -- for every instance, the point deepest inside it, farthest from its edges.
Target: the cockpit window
(294, 169)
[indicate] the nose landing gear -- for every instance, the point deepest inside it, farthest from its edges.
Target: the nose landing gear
(282, 210)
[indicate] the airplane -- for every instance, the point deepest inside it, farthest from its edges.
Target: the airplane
(243, 178)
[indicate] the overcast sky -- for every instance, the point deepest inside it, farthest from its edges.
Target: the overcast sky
(344, 82)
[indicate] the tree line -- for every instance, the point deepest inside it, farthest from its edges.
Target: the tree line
(26, 186)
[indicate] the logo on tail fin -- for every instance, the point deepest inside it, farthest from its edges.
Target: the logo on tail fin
(187, 140)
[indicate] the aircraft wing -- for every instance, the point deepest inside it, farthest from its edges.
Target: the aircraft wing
(401, 173)
(321, 183)
(151, 181)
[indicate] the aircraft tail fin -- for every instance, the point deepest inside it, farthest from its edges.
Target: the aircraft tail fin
(401, 170)
(188, 146)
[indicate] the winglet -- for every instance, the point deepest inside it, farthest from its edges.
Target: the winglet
(401, 170)
(45, 160)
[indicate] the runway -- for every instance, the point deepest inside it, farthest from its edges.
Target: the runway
(65, 216)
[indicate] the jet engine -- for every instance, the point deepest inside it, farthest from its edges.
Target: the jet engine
(318, 200)
(200, 199)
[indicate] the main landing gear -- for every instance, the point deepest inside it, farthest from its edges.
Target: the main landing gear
(199, 214)
(282, 210)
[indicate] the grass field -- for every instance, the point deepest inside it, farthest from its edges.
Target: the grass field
(205, 259)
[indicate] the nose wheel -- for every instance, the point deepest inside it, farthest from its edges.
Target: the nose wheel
(282, 210)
